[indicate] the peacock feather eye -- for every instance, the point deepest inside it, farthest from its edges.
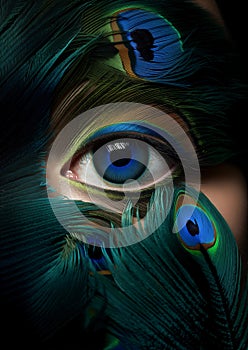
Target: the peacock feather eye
(95, 253)
(195, 228)
(97, 258)
(144, 43)
(149, 46)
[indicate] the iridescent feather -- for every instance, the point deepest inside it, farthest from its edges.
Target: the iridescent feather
(60, 59)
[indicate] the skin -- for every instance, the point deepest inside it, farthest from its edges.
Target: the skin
(211, 6)
(226, 187)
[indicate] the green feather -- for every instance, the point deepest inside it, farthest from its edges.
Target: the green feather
(163, 296)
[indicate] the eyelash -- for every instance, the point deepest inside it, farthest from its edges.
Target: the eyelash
(159, 151)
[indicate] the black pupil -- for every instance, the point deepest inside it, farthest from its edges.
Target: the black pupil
(121, 162)
(120, 158)
(192, 227)
(144, 40)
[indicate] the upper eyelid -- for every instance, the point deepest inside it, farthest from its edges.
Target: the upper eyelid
(161, 146)
(174, 167)
(143, 121)
(101, 141)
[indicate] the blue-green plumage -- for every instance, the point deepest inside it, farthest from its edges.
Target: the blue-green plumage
(196, 292)
(154, 46)
(182, 289)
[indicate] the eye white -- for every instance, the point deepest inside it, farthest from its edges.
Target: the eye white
(157, 169)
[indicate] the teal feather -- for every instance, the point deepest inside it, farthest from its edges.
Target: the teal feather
(162, 293)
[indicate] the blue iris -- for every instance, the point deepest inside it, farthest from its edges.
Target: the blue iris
(121, 160)
(195, 227)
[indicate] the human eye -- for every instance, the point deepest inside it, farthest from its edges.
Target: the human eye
(123, 161)
(115, 159)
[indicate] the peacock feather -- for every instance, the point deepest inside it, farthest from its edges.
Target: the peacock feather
(194, 288)
(124, 78)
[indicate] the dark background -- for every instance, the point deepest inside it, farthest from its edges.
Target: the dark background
(236, 18)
